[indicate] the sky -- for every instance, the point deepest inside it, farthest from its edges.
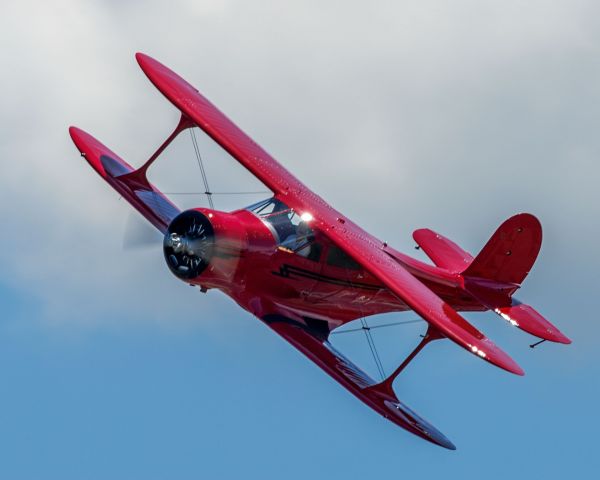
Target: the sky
(403, 115)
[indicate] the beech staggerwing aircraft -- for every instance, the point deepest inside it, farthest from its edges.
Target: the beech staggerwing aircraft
(305, 269)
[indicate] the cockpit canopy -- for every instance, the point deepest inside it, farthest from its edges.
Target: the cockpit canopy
(290, 229)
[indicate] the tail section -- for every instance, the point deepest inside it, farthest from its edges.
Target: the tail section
(443, 252)
(497, 271)
(500, 268)
(529, 320)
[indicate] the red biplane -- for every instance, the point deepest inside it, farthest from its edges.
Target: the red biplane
(305, 269)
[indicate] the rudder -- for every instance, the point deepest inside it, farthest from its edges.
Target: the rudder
(510, 253)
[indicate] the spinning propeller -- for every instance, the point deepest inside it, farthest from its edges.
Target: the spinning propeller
(139, 234)
(188, 244)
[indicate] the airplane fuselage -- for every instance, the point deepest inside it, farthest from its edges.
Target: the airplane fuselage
(312, 279)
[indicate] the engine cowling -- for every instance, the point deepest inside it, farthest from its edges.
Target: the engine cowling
(203, 241)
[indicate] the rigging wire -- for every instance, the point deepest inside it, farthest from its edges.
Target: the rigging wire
(367, 330)
(207, 191)
(373, 348)
(350, 330)
(219, 193)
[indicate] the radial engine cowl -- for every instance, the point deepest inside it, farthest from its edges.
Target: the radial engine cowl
(188, 244)
(198, 238)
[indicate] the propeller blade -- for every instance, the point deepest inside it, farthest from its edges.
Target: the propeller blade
(139, 234)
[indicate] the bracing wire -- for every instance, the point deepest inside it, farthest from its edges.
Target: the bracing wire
(370, 341)
(263, 192)
(202, 171)
(373, 348)
(393, 324)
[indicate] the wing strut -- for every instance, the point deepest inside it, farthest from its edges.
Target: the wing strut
(431, 335)
(138, 178)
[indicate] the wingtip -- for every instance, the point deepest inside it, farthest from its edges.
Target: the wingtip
(508, 364)
(82, 140)
(493, 354)
(511, 366)
(560, 337)
(73, 130)
(407, 418)
(76, 135)
(445, 443)
(146, 62)
(141, 57)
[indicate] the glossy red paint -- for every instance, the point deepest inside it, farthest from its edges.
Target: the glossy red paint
(305, 269)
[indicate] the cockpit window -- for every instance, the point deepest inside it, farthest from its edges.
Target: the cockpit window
(267, 207)
(310, 250)
(291, 231)
(338, 258)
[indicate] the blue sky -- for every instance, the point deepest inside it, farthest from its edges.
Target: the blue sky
(403, 115)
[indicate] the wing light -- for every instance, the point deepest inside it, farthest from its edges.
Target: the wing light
(478, 351)
(514, 323)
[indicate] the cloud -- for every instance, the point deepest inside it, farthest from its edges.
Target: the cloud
(402, 114)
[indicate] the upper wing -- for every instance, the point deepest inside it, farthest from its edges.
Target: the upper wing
(364, 248)
(216, 125)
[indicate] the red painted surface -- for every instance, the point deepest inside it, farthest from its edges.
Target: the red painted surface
(443, 252)
(302, 297)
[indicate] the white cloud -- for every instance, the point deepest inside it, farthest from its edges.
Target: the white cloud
(403, 114)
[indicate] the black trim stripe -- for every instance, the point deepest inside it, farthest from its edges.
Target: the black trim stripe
(289, 271)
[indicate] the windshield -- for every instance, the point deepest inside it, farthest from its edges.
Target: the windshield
(290, 230)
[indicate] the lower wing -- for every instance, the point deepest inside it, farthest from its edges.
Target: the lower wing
(377, 396)
(141, 194)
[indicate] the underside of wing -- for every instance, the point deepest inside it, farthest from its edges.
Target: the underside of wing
(381, 399)
(141, 194)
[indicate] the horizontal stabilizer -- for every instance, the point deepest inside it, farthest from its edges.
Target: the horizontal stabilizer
(516, 313)
(443, 252)
(529, 320)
